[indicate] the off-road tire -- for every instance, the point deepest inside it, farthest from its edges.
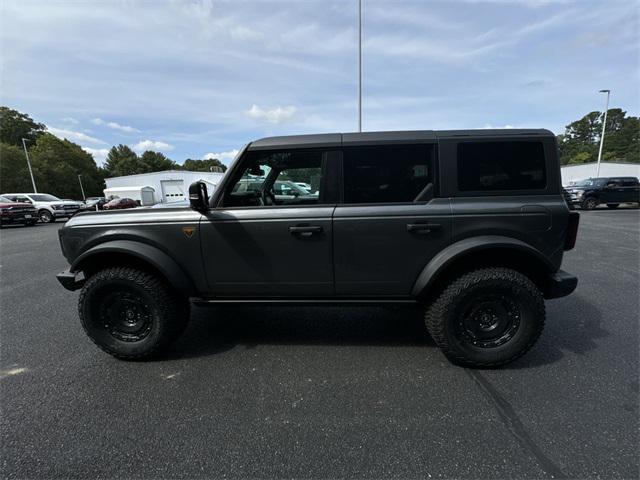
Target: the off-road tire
(168, 312)
(444, 317)
(589, 203)
(613, 205)
(46, 216)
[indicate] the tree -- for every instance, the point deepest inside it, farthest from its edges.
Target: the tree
(203, 165)
(121, 160)
(14, 126)
(156, 162)
(14, 174)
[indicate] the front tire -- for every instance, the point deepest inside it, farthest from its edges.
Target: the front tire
(487, 318)
(131, 314)
(589, 203)
(613, 205)
(46, 216)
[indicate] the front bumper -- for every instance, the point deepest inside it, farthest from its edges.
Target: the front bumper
(560, 284)
(70, 280)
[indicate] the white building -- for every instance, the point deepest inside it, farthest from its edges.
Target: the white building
(159, 187)
(573, 173)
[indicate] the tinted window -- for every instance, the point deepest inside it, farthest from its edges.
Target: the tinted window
(629, 182)
(387, 174)
(488, 166)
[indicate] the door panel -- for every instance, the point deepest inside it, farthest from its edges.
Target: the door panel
(269, 252)
(381, 250)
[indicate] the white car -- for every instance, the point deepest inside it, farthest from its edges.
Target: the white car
(49, 208)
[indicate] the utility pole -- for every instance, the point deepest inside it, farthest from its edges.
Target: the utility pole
(33, 182)
(81, 189)
(604, 126)
(359, 65)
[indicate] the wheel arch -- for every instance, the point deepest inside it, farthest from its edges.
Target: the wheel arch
(134, 254)
(484, 251)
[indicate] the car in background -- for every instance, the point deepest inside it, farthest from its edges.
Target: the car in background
(612, 191)
(121, 203)
(49, 208)
(304, 185)
(14, 212)
(94, 203)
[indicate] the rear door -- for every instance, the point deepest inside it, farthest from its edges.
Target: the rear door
(390, 222)
(631, 190)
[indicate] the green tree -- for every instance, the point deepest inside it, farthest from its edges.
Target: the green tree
(14, 126)
(14, 174)
(121, 160)
(203, 165)
(156, 162)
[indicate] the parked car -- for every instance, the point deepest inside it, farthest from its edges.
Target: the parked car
(49, 208)
(469, 225)
(94, 203)
(15, 212)
(612, 191)
(120, 203)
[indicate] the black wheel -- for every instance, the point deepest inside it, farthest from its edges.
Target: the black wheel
(131, 314)
(487, 318)
(589, 203)
(46, 216)
(613, 205)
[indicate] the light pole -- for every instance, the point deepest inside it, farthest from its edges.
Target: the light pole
(359, 65)
(604, 126)
(33, 182)
(81, 189)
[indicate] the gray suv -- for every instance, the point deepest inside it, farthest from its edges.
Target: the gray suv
(470, 224)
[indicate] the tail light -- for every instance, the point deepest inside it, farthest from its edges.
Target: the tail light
(572, 230)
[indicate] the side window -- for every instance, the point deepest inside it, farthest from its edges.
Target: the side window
(22, 199)
(388, 174)
(494, 166)
(629, 182)
(614, 182)
(271, 179)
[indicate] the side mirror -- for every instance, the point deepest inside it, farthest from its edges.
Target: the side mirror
(198, 197)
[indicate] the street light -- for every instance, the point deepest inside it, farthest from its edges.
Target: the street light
(359, 65)
(33, 182)
(81, 189)
(604, 126)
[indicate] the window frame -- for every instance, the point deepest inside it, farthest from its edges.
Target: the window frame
(433, 164)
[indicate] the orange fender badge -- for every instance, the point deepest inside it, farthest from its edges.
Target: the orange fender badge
(188, 231)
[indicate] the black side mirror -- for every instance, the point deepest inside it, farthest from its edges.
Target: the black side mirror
(198, 197)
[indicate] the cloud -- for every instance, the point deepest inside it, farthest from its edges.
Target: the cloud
(74, 136)
(69, 120)
(98, 154)
(274, 115)
(153, 145)
(224, 157)
(115, 126)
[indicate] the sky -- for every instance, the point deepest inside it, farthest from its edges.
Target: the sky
(199, 79)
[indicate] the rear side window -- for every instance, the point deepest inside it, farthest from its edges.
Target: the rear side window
(494, 166)
(387, 174)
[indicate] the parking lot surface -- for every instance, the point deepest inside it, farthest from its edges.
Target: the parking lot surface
(321, 392)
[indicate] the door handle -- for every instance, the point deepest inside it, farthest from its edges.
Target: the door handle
(305, 230)
(423, 228)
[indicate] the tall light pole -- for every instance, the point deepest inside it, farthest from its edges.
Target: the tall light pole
(604, 126)
(81, 189)
(359, 65)
(33, 182)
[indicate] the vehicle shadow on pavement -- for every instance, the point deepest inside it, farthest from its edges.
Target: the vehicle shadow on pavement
(574, 324)
(217, 329)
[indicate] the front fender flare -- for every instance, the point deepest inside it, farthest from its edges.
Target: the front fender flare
(469, 245)
(155, 257)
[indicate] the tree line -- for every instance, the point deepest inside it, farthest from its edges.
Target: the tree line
(57, 163)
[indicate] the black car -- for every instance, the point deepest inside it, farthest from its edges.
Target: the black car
(471, 226)
(612, 191)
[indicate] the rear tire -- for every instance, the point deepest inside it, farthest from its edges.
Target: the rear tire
(589, 203)
(613, 205)
(487, 318)
(131, 314)
(46, 216)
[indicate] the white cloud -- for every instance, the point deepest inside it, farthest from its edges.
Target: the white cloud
(115, 126)
(74, 136)
(69, 120)
(153, 145)
(224, 157)
(98, 154)
(274, 115)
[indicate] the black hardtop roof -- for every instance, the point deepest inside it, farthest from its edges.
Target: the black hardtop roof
(371, 138)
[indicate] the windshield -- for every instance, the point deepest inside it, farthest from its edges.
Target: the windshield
(590, 182)
(44, 198)
(5, 199)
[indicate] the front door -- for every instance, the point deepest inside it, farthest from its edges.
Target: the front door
(259, 244)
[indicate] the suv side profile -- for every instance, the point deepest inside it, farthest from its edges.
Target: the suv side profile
(472, 225)
(612, 191)
(49, 208)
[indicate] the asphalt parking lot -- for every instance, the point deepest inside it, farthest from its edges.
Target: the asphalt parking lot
(322, 392)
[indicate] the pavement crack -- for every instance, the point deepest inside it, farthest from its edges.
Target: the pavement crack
(515, 426)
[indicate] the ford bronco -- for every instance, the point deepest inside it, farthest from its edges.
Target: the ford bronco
(470, 224)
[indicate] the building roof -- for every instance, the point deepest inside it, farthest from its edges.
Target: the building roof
(166, 171)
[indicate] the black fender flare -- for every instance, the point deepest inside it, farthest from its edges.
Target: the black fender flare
(155, 257)
(469, 245)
